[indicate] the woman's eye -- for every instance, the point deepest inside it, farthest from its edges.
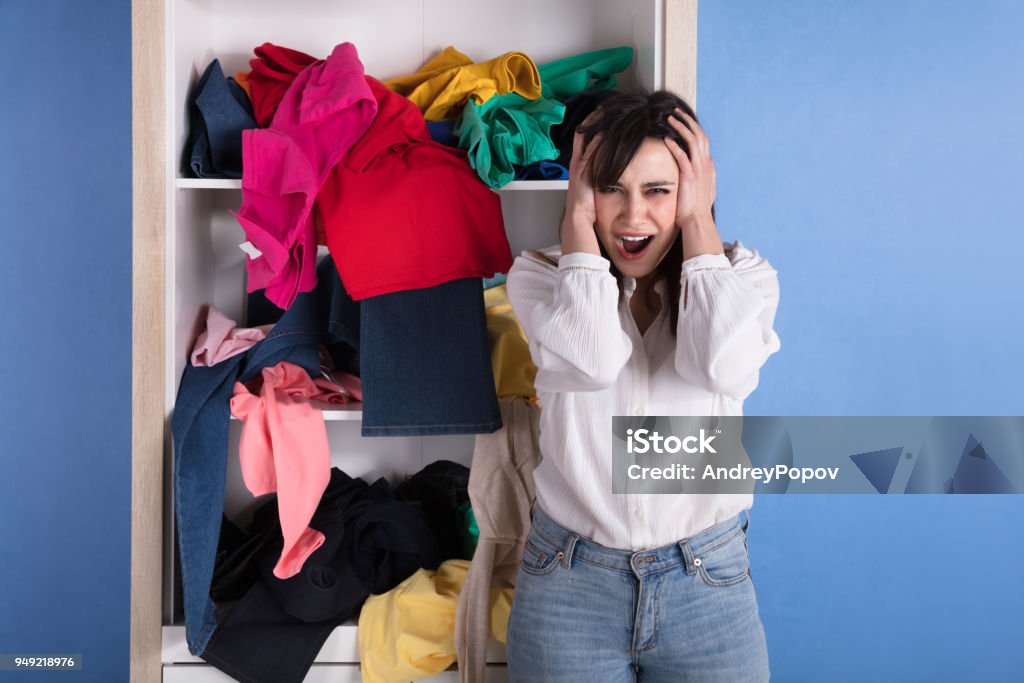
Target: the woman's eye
(660, 190)
(607, 190)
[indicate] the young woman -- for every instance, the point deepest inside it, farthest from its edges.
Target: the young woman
(641, 311)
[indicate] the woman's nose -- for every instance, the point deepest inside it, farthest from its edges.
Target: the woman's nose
(634, 211)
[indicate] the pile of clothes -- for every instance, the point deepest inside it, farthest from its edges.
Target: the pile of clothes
(427, 567)
(392, 176)
(408, 316)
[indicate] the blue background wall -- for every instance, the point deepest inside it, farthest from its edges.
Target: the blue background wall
(65, 349)
(873, 151)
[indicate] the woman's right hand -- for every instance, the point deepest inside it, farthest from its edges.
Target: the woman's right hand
(577, 231)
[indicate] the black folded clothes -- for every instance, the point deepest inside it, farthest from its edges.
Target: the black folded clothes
(274, 632)
(442, 488)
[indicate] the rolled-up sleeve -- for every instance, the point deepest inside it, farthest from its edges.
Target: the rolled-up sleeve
(726, 315)
(570, 317)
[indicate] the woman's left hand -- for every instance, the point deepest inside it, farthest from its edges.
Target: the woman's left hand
(696, 191)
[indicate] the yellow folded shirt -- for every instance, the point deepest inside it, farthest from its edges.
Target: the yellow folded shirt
(409, 632)
(513, 367)
(444, 83)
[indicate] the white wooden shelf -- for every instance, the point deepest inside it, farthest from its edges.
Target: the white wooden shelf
(207, 184)
(342, 647)
(537, 185)
(221, 184)
(349, 411)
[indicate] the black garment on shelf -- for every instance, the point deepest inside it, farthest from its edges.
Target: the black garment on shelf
(441, 488)
(218, 114)
(235, 569)
(373, 543)
(577, 109)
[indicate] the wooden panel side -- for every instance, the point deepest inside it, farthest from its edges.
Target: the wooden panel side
(681, 49)
(148, 216)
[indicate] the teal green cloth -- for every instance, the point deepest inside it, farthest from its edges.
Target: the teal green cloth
(507, 130)
(469, 530)
(510, 129)
(565, 78)
(497, 280)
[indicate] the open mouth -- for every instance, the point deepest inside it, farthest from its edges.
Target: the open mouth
(633, 247)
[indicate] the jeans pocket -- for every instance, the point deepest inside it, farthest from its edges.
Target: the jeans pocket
(539, 556)
(725, 564)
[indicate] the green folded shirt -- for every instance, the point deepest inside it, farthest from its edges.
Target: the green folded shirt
(509, 130)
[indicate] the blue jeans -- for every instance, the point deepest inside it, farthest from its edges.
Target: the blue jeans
(684, 612)
(425, 361)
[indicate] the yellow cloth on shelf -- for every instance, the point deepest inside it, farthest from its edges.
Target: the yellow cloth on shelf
(514, 370)
(444, 83)
(409, 632)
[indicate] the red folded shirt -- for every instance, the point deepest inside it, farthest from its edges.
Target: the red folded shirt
(404, 212)
(273, 70)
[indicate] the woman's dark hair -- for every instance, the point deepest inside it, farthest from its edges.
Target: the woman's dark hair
(624, 121)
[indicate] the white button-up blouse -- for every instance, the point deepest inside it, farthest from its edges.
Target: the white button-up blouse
(592, 363)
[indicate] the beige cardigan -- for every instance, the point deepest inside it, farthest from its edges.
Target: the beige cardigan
(501, 490)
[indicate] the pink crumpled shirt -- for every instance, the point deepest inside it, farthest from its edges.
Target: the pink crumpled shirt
(222, 339)
(284, 448)
(326, 110)
(342, 388)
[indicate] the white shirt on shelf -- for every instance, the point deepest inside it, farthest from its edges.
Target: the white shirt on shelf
(592, 363)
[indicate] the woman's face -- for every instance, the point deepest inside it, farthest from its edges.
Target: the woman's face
(636, 215)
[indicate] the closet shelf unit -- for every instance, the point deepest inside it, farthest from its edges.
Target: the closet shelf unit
(204, 266)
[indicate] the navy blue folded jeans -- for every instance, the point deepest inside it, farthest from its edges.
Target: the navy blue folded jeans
(217, 116)
(425, 362)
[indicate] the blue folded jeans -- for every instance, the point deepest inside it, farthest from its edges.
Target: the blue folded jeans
(218, 114)
(684, 612)
(425, 361)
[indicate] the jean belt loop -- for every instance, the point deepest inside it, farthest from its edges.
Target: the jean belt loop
(691, 568)
(570, 548)
(746, 519)
(533, 507)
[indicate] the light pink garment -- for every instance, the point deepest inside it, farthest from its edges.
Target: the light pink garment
(326, 110)
(284, 449)
(222, 340)
(340, 389)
